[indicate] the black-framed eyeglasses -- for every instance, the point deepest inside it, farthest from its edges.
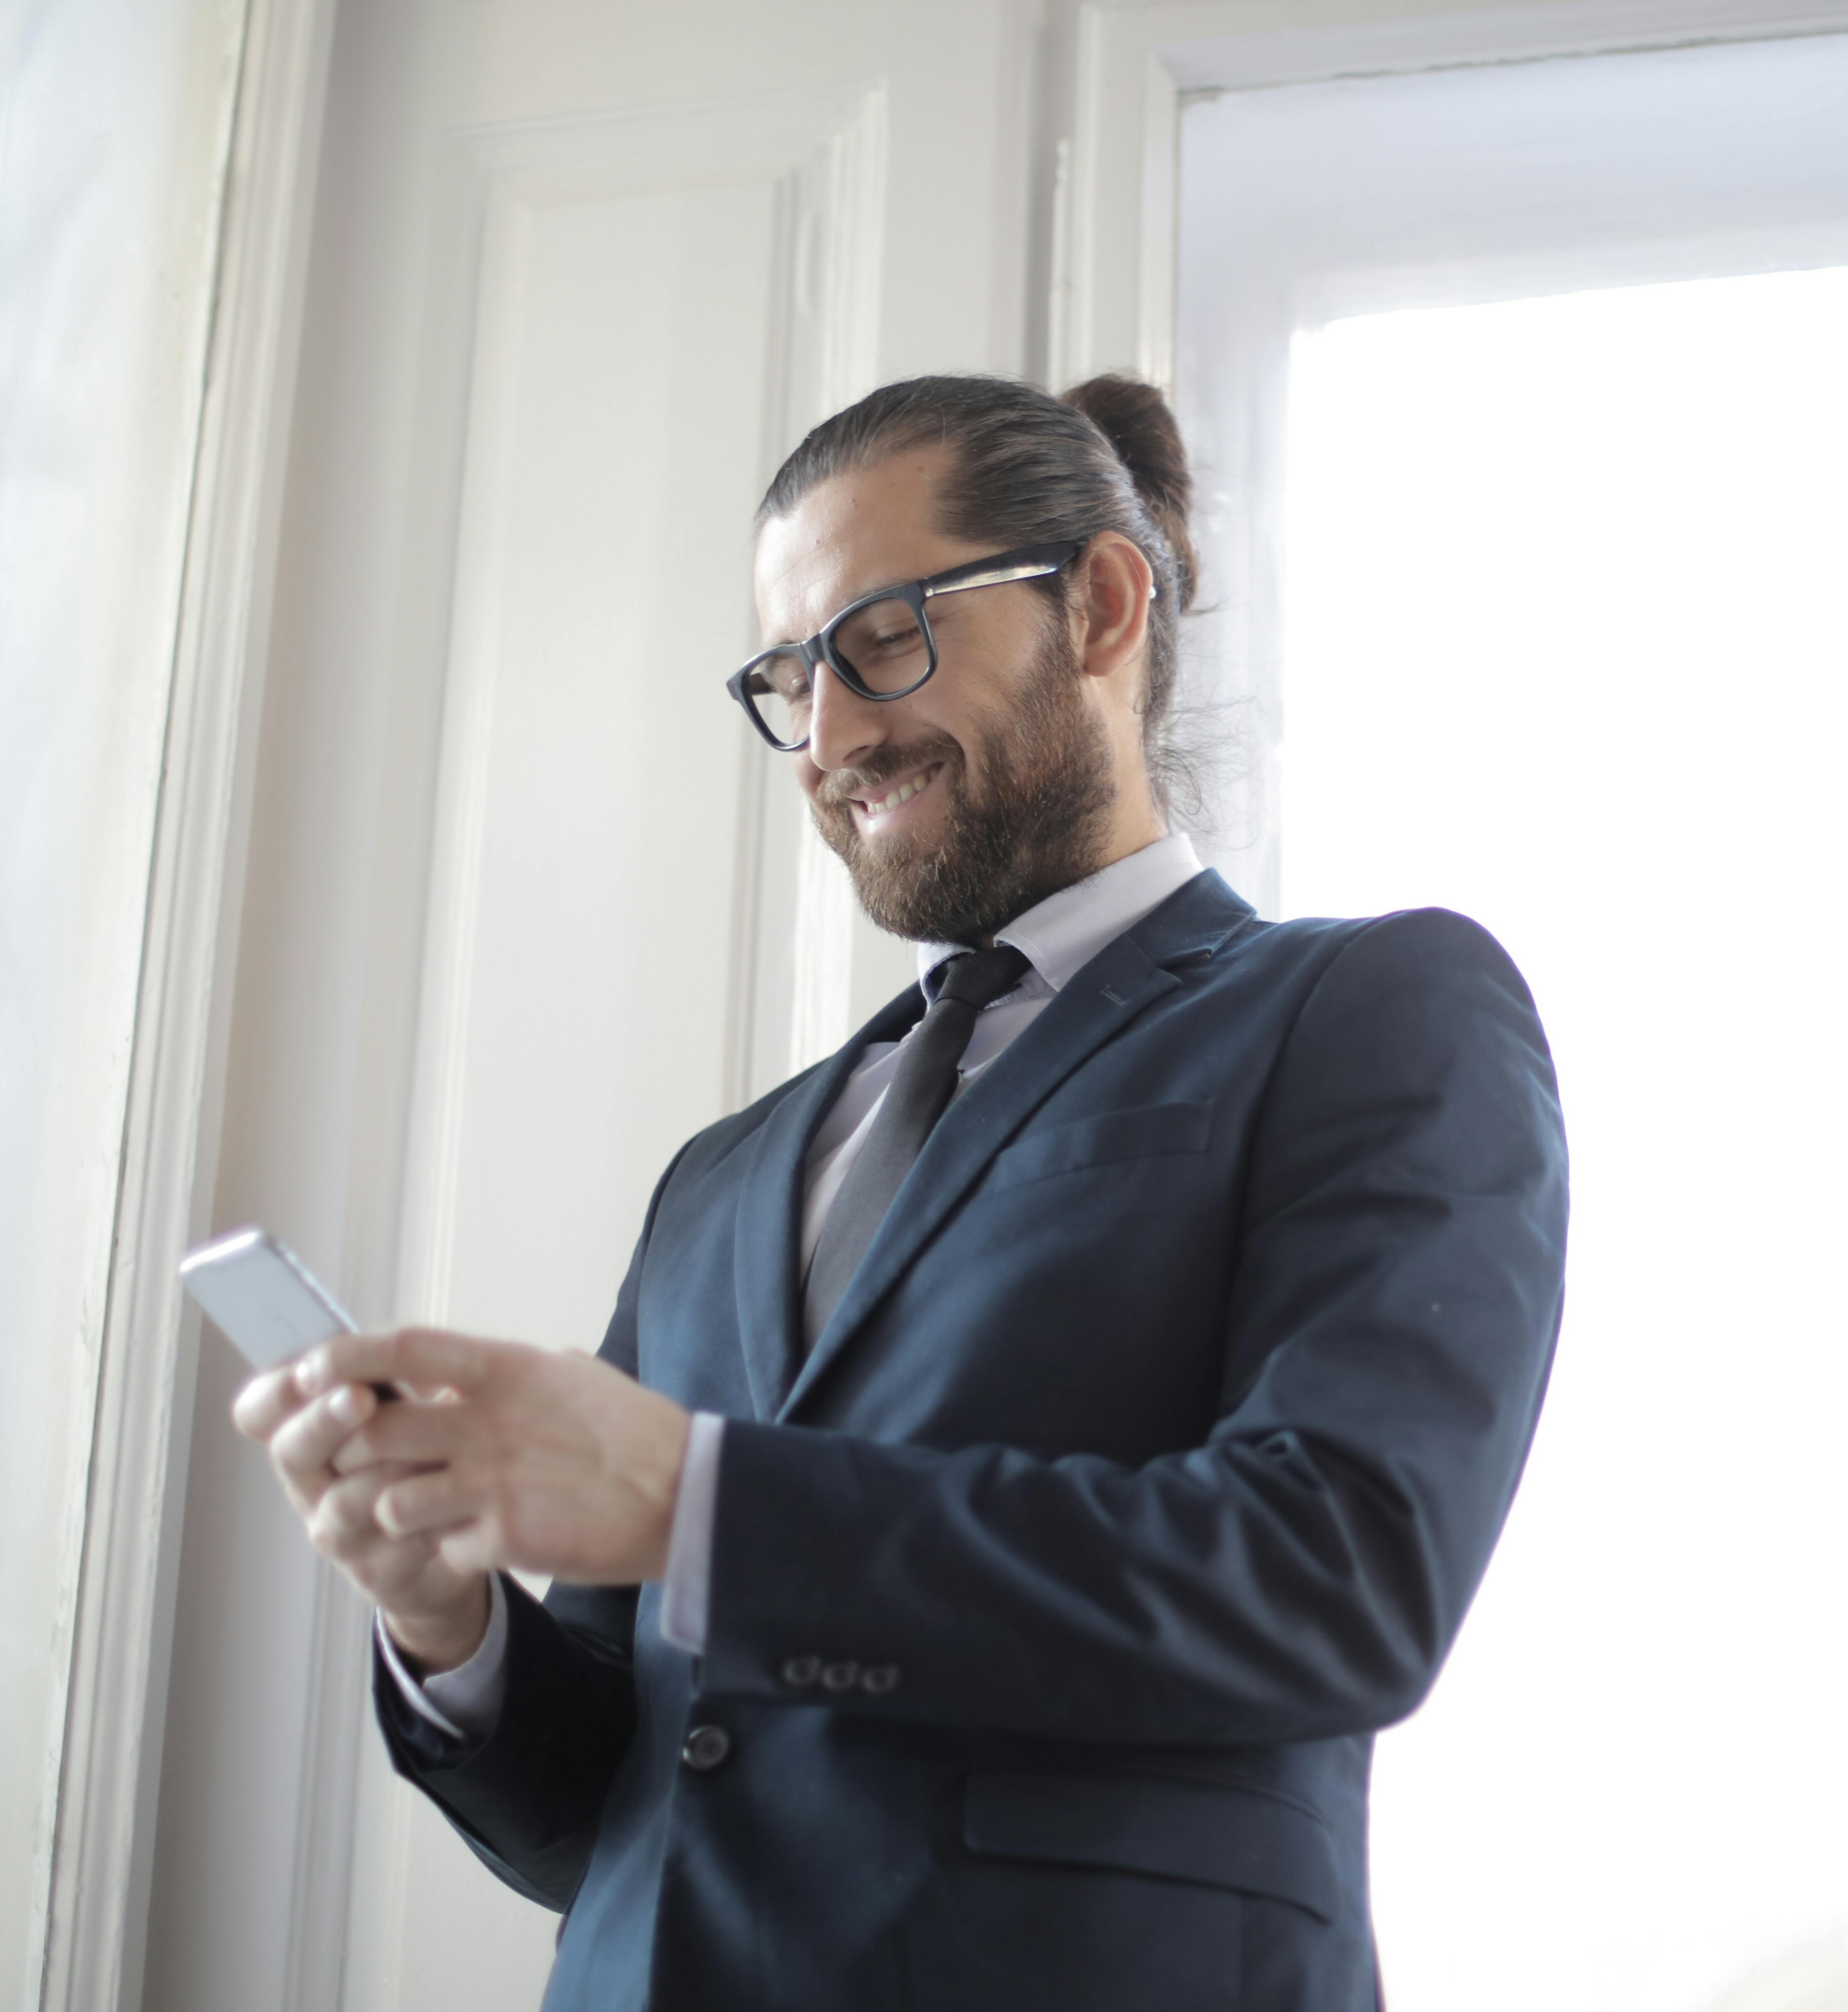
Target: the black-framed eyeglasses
(880, 647)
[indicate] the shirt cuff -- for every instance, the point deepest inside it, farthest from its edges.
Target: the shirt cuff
(464, 1702)
(686, 1592)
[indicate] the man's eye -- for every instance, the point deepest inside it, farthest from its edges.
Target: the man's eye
(787, 678)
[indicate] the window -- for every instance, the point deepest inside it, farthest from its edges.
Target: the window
(1538, 575)
(1566, 648)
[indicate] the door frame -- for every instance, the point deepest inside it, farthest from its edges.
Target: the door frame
(1112, 262)
(101, 1859)
(1115, 184)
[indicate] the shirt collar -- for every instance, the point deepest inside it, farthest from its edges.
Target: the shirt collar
(1059, 935)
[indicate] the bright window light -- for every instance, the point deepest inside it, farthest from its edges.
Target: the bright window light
(1567, 649)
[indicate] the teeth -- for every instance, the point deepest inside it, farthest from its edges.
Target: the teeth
(902, 794)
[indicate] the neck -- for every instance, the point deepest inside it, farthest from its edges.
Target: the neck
(1136, 819)
(1143, 826)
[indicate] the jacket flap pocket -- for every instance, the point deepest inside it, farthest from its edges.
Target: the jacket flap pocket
(1110, 1135)
(1210, 1833)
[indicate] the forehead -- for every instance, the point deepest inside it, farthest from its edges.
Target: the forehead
(865, 528)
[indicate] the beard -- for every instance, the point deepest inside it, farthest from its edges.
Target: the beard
(1038, 820)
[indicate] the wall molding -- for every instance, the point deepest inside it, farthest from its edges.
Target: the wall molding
(824, 154)
(109, 1777)
(842, 192)
(338, 1716)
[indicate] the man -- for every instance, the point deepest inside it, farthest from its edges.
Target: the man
(1035, 1449)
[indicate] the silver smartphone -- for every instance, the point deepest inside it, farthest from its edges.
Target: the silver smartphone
(267, 1300)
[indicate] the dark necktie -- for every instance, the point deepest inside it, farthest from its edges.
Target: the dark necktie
(917, 1097)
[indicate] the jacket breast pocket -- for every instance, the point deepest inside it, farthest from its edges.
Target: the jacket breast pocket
(1097, 1141)
(1247, 1840)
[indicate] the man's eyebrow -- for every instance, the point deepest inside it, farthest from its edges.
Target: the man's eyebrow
(864, 593)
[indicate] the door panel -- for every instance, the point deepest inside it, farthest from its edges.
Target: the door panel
(576, 998)
(661, 303)
(525, 906)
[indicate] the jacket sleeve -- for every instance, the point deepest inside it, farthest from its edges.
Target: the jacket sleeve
(527, 1798)
(1394, 1305)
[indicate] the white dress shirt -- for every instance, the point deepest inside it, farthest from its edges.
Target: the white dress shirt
(1058, 936)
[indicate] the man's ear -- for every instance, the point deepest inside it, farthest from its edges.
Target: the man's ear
(1114, 584)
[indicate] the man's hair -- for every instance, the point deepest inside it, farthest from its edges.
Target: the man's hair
(1027, 469)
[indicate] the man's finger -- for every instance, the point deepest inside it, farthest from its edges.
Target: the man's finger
(433, 1501)
(423, 1356)
(304, 1446)
(265, 1401)
(423, 1432)
(345, 1522)
(471, 1547)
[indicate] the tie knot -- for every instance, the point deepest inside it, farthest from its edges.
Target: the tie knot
(984, 976)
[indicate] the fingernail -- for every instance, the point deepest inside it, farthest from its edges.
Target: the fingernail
(344, 1403)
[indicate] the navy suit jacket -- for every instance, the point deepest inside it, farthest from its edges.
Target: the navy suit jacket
(1145, 1469)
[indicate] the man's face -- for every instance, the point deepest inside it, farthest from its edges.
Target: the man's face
(958, 807)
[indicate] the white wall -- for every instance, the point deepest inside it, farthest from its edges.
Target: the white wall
(114, 124)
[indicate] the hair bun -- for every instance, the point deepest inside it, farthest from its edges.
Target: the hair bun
(1135, 418)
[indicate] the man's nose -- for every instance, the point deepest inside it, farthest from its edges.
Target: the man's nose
(844, 728)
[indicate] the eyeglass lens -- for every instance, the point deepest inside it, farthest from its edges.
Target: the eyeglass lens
(882, 645)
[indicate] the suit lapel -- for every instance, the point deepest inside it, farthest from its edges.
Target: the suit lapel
(1117, 984)
(770, 1213)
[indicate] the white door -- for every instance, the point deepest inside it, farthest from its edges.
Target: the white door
(526, 903)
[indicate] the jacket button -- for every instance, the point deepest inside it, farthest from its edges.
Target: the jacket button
(799, 1671)
(706, 1747)
(881, 1677)
(839, 1676)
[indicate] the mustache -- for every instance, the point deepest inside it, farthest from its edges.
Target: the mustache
(841, 787)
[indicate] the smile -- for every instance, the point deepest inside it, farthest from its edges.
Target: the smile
(875, 809)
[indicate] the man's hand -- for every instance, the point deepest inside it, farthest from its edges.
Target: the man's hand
(435, 1612)
(552, 1463)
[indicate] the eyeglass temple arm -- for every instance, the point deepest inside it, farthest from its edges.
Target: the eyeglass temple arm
(1026, 569)
(1030, 565)
(995, 578)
